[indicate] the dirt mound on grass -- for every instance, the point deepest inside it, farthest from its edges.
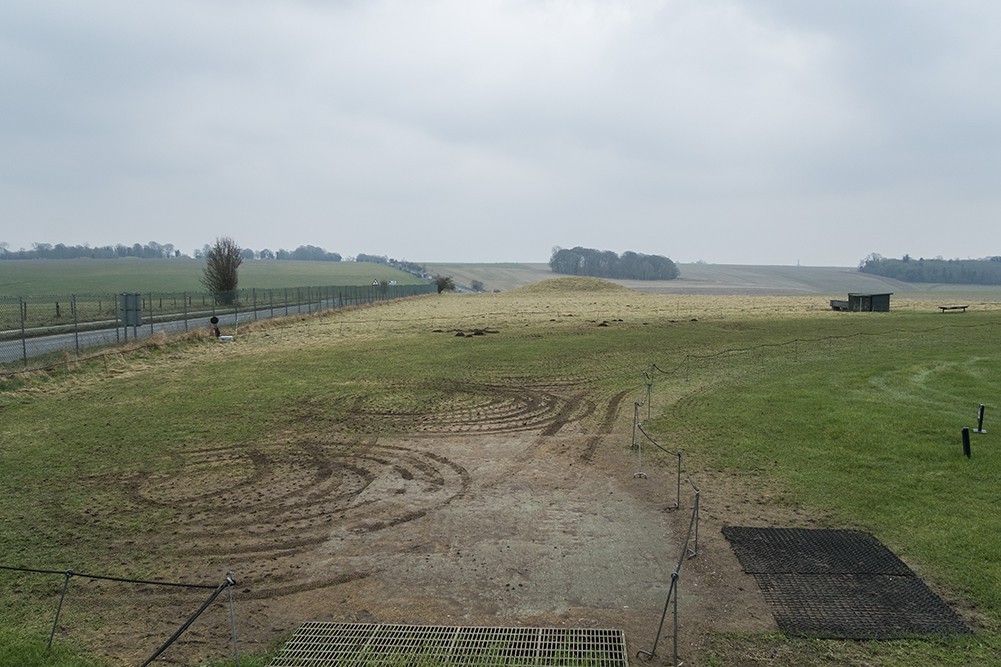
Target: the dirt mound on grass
(571, 284)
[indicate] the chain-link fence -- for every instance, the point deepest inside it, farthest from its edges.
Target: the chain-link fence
(41, 331)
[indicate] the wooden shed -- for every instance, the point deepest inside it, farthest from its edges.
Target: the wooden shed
(864, 303)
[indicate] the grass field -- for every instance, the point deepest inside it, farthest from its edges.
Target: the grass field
(96, 276)
(789, 414)
(723, 279)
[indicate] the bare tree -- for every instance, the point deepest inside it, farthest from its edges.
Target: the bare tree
(221, 263)
(444, 283)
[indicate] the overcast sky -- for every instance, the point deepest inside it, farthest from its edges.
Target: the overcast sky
(745, 132)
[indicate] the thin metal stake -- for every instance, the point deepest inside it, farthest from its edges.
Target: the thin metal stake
(76, 325)
(636, 420)
(638, 444)
(677, 661)
(59, 609)
(24, 337)
(187, 623)
(677, 501)
(660, 628)
(232, 616)
(649, 391)
(695, 520)
(980, 421)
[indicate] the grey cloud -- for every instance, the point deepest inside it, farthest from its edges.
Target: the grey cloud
(713, 129)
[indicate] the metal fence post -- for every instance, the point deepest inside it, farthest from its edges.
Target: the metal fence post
(675, 576)
(59, 609)
(76, 325)
(24, 335)
(692, 553)
(677, 501)
(187, 624)
(649, 391)
(232, 616)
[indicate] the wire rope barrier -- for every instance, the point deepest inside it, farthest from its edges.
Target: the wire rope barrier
(217, 589)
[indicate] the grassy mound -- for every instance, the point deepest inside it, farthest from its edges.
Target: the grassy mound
(570, 284)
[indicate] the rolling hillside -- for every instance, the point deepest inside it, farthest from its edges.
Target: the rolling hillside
(728, 279)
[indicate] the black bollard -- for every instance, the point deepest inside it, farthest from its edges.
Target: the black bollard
(980, 420)
(966, 442)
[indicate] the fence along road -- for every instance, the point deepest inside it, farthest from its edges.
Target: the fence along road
(105, 324)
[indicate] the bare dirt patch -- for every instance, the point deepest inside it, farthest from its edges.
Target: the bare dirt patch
(510, 506)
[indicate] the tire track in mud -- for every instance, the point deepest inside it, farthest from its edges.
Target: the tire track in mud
(607, 424)
(254, 510)
(471, 408)
(260, 511)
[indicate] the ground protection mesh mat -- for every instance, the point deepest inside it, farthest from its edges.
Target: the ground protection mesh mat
(839, 584)
(366, 644)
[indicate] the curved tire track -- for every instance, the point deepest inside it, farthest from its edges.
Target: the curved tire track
(256, 510)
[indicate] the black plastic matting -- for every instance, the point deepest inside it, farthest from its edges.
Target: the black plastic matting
(839, 584)
(806, 551)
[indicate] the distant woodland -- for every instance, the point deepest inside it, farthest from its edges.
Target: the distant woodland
(985, 271)
(154, 250)
(607, 264)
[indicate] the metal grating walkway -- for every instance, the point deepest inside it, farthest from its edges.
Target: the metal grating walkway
(839, 584)
(370, 644)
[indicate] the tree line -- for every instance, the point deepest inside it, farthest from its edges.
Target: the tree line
(151, 250)
(308, 253)
(986, 271)
(607, 264)
(412, 268)
(154, 250)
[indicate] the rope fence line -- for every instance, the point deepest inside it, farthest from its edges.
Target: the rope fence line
(690, 546)
(217, 589)
(687, 552)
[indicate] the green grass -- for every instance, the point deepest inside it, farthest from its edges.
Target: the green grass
(868, 432)
(859, 420)
(873, 435)
(112, 276)
(26, 650)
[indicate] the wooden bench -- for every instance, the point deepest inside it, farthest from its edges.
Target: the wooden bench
(961, 307)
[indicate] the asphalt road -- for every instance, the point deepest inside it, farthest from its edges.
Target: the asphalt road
(34, 345)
